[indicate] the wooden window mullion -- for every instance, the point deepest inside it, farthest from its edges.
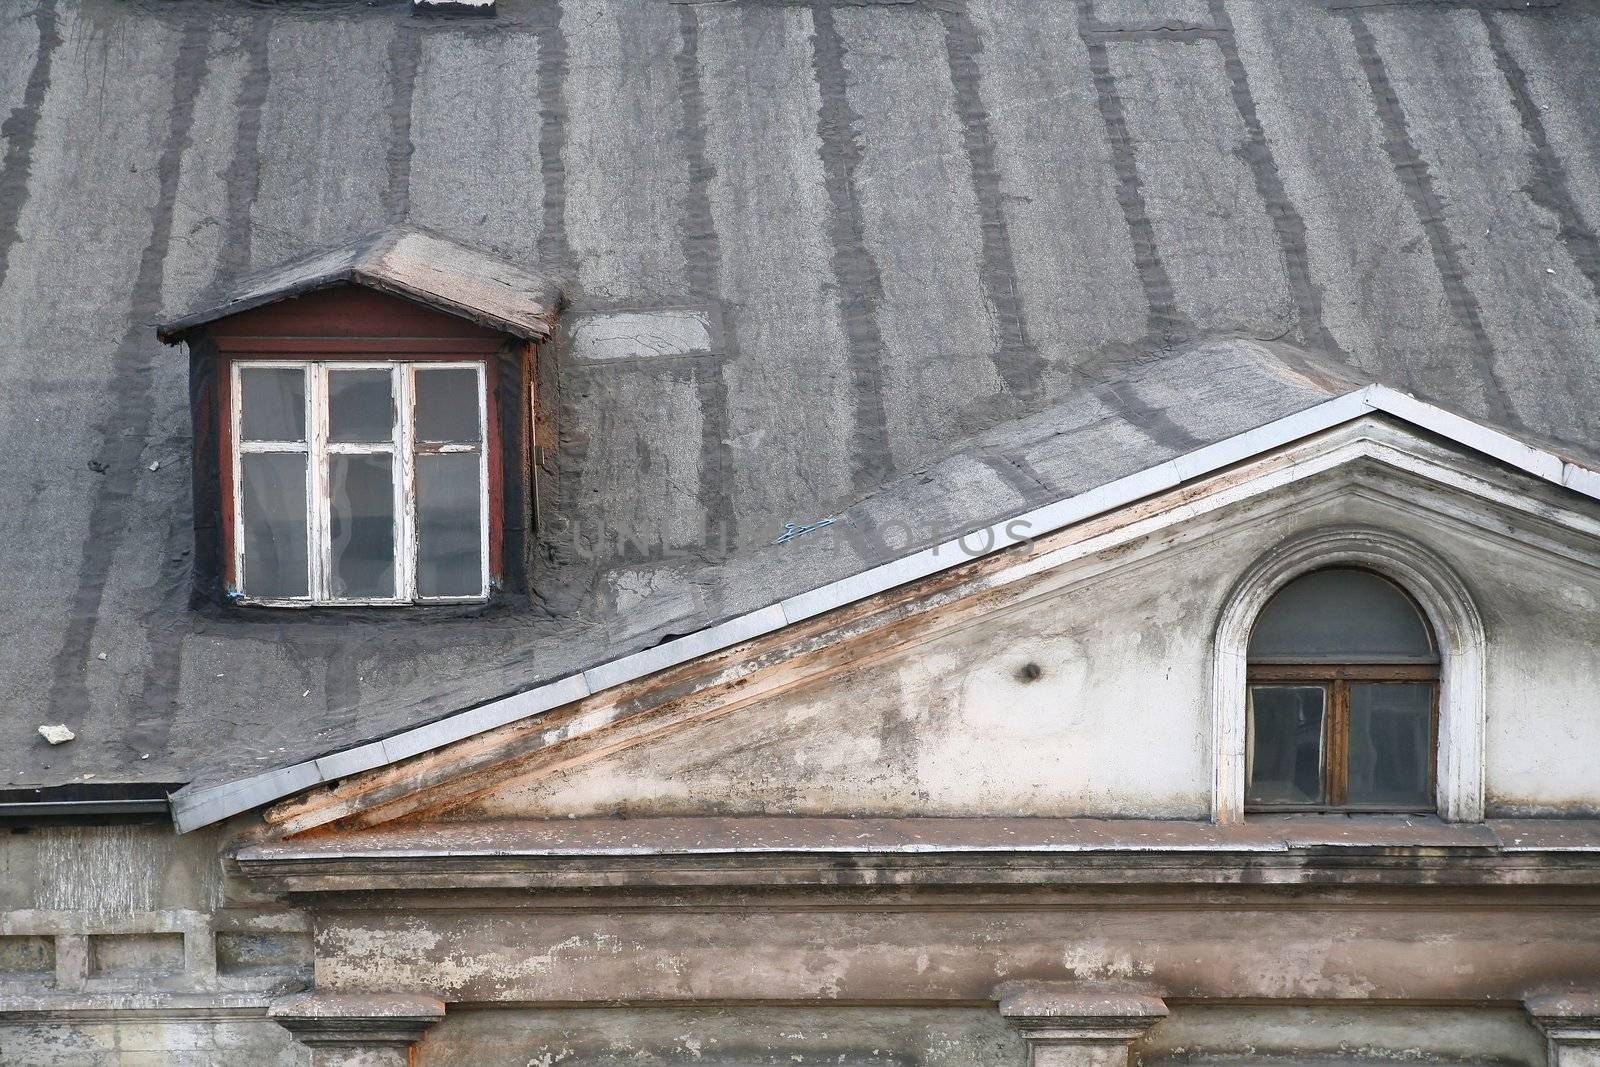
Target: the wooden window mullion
(1339, 743)
(1433, 749)
(402, 389)
(321, 556)
(1354, 672)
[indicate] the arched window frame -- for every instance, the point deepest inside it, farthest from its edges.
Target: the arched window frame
(1457, 627)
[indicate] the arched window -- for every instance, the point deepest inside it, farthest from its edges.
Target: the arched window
(1398, 611)
(1343, 698)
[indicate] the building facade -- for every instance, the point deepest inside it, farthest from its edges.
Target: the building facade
(885, 534)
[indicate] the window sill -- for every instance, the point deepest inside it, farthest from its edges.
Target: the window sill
(239, 600)
(1431, 811)
(244, 611)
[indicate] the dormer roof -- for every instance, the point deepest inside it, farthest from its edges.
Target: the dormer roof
(441, 274)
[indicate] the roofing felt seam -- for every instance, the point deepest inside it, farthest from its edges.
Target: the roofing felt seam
(193, 809)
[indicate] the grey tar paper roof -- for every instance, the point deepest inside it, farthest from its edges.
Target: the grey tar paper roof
(913, 266)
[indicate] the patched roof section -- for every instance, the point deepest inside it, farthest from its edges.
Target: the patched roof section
(442, 274)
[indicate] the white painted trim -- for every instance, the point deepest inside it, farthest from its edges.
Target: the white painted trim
(241, 447)
(1463, 431)
(195, 808)
(1463, 651)
(317, 448)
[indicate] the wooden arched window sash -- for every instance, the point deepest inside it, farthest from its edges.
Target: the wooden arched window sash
(1342, 698)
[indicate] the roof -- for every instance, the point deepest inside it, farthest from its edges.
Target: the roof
(196, 806)
(954, 262)
(442, 274)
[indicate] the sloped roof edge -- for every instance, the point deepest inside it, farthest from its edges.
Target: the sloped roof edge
(195, 808)
(407, 262)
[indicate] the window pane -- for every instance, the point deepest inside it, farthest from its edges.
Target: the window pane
(272, 403)
(273, 513)
(449, 539)
(361, 525)
(1286, 758)
(1391, 742)
(360, 405)
(447, 405)
(1341, 614)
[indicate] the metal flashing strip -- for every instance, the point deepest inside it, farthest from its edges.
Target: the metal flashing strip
(211, 804)
(1465, 432)
(78, 809)
(822, 849)
(85, 799)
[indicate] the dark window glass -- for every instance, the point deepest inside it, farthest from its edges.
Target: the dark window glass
(1341, 615)
(1343, 672)
(447, 403)
(360, 406)
(1391, 744)
(361, 525)
(272, 403)
(1286, 727)
(323, 441)
(449, 536)
(273, 514)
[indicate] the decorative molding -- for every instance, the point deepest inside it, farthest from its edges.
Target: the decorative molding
(86, 1009)
(1066, 1025)
(1570, 1023)
(963, 854)
(357, 1021)
(1456, 623)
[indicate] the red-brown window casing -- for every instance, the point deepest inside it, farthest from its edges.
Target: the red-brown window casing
(360, 324)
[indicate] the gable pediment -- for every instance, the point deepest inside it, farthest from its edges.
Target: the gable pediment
(1063, 677)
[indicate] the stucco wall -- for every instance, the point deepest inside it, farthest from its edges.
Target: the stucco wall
(971, 1037)
(1117, 722)
(157, 1040)
(123, 945)
(1368, 1034)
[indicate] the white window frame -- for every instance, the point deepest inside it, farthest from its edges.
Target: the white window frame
(318, 448)
(1450, 611)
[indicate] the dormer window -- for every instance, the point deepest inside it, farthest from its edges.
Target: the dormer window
(364, 427)
(360, 483)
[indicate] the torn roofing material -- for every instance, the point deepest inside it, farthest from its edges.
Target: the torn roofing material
(408, 262)
(194, 807)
